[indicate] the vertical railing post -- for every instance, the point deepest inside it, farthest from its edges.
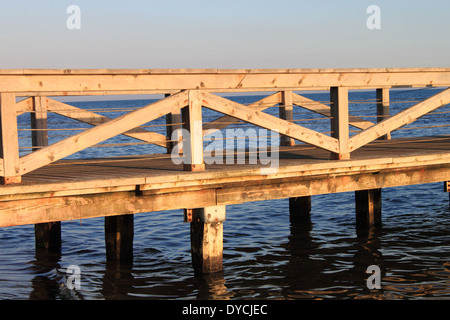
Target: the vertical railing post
(339, 121)
(173, 122)
(192, 122)
(9, 139)
(286, 110)
(383, 108)
(39, 134)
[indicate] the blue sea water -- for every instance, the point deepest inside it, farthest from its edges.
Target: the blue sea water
(265, 255)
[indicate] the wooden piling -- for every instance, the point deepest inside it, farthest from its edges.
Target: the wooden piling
(48, 236)
(368, 207)
(299, 208)
(119, 234)
(206, 226)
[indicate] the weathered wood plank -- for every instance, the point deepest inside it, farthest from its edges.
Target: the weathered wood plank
(211, 71)
(162, 81)
(331, 184)
(44, 210)
(25, 105)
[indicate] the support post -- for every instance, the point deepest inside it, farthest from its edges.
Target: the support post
(339, 121)
(383, 106)
(299, 208)
(173, 122)
(192, 122)
(47, 235)
(119, 233)
(9, 139)
(206, 238)
(368, 207)
(286, 111)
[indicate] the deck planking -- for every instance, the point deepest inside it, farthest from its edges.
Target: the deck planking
(158, 172)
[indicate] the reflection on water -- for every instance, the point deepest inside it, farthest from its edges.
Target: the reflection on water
(213, 287)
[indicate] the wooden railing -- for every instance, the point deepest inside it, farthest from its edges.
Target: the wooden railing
(187, 92)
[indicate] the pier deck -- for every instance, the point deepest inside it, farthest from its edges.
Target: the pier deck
(43, 188)
(134, 184)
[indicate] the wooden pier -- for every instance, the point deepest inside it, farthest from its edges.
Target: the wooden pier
(43, 187)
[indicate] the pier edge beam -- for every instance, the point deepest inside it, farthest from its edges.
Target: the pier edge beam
(368, 208)
(340, 121)
(119, 234)
(206, 228)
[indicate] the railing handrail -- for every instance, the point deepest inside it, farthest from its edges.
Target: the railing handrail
(56, 82)
(214, 71)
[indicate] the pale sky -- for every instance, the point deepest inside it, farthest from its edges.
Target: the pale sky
(224, 34)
